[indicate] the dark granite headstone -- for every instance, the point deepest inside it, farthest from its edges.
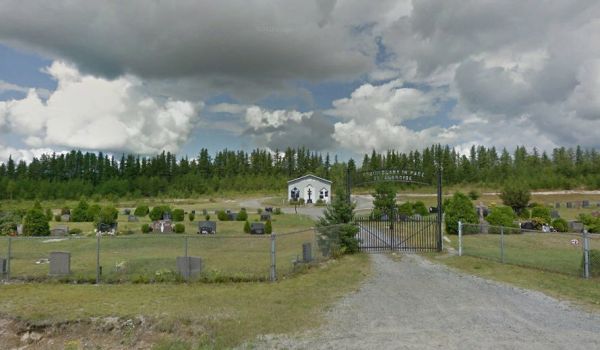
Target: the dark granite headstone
(569, 205)
(433, 210)
(527, 225)
(554, 214)
(265, 217)
(232, 216)
(585, 204)
(557, 205)
(107, 227)
(207, 227)
(257, 228)
(269, 209)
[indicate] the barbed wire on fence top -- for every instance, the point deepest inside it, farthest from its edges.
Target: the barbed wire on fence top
(523, 230)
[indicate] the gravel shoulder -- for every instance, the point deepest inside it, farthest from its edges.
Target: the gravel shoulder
(416, 304)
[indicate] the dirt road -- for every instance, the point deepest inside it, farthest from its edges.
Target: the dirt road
(414, 304)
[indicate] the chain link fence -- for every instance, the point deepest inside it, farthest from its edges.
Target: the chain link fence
(576, 254)
(156, 257)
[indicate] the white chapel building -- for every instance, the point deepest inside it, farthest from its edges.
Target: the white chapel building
(311, 188)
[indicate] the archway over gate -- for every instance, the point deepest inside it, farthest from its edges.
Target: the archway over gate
(395, 232)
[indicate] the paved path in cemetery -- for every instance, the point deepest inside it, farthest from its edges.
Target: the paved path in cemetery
(415, 304)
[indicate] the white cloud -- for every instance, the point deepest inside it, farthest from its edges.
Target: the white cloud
(259, 118)
(26, 155)
(94, 113)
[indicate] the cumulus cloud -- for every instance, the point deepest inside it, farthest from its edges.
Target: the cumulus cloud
(94, 113)
(18, 154)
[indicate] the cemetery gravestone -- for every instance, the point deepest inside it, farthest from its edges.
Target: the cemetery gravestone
(554, 214)
(207, 227)
(59, 231)
(269, 209)
(569, 205)
(65, 217)
(60, 263)
(557, 205)
(575, 226)
(257, 228)
(132, 218)
(189, 266)
(265, 217)
(585, 204)
(231, 216)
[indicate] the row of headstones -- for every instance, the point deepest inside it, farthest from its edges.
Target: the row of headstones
(577, 205)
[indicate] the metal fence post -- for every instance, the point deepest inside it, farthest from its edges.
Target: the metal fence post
(502, 244)
(186, 247)
(98, 259)
(586, 254)
(273, 256)
(8, 258)
(460, 238)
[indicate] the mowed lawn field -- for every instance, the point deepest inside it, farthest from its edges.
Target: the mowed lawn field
(180, 316)
(230, 254)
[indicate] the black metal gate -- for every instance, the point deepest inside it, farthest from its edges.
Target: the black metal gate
(408, 234)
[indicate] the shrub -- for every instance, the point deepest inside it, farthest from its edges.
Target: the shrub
(65, 211)
(268, 227)
(501, 216)
(474, 195)
(141, 211)
(192, 216)
(242, 215)
(525, 214)
(49, 214)
(146, 228)
(36, 223)
(420, 208)
(247, 227)
(560, 225)
(301, 201)
(75, 231)
(459, 208)
(259, 211)
(516, 196)
(93, 212)
(158, 212)
(320, 202)
(178, 215)
(108, 215)
(179, 228)
(222, 215)
(80, 213)
(542, 213)
(207, 217)
(404, 209)
(57, 218)
(278, 211)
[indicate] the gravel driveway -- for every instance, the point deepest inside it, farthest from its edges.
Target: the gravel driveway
(415, 304)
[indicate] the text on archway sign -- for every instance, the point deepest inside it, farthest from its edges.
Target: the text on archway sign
(394, 175)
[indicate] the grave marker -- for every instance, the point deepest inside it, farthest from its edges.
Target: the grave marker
(265, 216)
(257, 228)
(207, 227)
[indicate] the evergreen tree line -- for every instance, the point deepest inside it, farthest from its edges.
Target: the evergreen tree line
(75, 174)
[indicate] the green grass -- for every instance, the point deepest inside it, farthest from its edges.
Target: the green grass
(228, 255)
(546, 251)
(575, 289)
(225, 314)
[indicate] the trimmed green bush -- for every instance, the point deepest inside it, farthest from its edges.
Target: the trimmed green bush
(542, 213)
(192, 216)
(278, 211)
(158, 212)
(502, 216)
(420, 208)
(35, 223)
(268, 227)
(146, 228)
(179, 228)
(459, 208)
(560, 225)
(57, 218)
(80, 213)
(405, 209)
(178, 215)
(222, 215)
(242, 215)
(247, 227)
(75, 231)
(141, 211)
(516, 196)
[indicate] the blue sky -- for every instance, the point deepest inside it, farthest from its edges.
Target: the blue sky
(339, 77)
